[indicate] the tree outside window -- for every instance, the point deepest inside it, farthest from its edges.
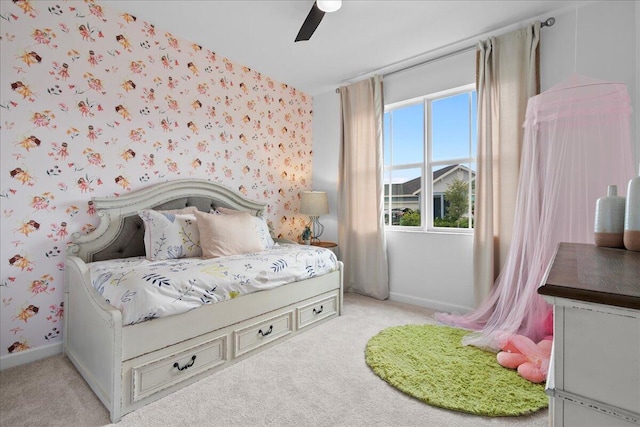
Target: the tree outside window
(457, 197)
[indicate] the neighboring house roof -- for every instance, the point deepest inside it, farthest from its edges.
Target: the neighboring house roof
(444, 171)
(414, 186)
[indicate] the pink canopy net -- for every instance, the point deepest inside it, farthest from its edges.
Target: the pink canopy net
(576, 143)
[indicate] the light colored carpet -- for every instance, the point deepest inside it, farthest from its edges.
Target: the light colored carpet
(316, 378)
(430, 363)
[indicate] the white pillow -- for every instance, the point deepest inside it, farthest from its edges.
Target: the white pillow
(224, 235)
(260, 224)
(262, 228)
(168, 235)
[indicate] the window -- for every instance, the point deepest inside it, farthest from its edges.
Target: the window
(429, 161)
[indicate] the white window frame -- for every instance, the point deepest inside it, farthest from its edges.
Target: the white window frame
(427, 164)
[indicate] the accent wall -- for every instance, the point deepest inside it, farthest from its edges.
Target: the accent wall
(95, 102)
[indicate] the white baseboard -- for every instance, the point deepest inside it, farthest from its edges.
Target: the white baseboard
(22, 357)
(434, 305)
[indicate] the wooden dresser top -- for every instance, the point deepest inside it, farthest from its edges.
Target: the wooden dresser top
(594, 274)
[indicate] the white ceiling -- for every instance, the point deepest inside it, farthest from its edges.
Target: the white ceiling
(360, 38)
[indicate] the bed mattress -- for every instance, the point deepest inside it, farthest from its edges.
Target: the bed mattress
(143, 289)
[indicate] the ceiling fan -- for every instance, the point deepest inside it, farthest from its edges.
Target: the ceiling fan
(319, 8)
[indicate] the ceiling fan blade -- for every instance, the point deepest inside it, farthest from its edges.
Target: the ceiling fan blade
(310, 24)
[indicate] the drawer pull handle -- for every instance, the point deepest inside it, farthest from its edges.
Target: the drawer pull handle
(318, 311)
(188, 365)
(264, 334)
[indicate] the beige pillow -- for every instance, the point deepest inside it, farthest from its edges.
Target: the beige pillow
(223, 235)
(260, 223)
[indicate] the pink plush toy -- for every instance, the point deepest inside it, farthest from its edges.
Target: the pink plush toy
(531, 360)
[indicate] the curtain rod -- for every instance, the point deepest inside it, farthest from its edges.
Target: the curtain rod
(546, 23)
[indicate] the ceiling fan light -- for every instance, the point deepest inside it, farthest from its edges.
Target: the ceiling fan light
(329, 5)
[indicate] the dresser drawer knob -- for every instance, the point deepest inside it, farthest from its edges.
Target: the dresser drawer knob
(318, 311)
(188, 365)
(264, 334)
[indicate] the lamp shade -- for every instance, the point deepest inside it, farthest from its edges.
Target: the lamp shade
(329, 5)
(314, 203)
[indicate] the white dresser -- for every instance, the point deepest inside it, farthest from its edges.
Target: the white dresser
(594, 376)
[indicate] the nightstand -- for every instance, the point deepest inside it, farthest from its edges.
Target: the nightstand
(327, 245)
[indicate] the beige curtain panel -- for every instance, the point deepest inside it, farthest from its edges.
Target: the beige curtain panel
(508, 74)
(360, 192)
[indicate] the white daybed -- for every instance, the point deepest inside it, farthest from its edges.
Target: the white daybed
(130, 366)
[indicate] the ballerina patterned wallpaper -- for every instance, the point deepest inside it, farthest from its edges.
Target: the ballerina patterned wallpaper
(95, 102)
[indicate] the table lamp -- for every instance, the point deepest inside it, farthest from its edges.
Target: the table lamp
(314, 204)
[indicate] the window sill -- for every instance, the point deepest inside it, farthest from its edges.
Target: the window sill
(463, 232)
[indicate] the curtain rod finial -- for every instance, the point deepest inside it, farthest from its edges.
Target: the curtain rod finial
(549, 22)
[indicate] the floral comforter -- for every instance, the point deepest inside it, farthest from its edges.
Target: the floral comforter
(143, 289)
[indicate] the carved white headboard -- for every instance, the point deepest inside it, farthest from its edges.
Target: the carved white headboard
(120, 231)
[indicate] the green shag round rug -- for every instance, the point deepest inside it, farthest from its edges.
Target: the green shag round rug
(429, 363)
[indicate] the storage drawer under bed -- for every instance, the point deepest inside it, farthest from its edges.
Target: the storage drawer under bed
(314, 312)
(156, 375)
(261, 333)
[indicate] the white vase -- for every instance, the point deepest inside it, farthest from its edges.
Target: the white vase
(609, 221)
(632, 216)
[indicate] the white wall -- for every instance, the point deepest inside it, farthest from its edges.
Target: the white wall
(435, 270)
(326, 146)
